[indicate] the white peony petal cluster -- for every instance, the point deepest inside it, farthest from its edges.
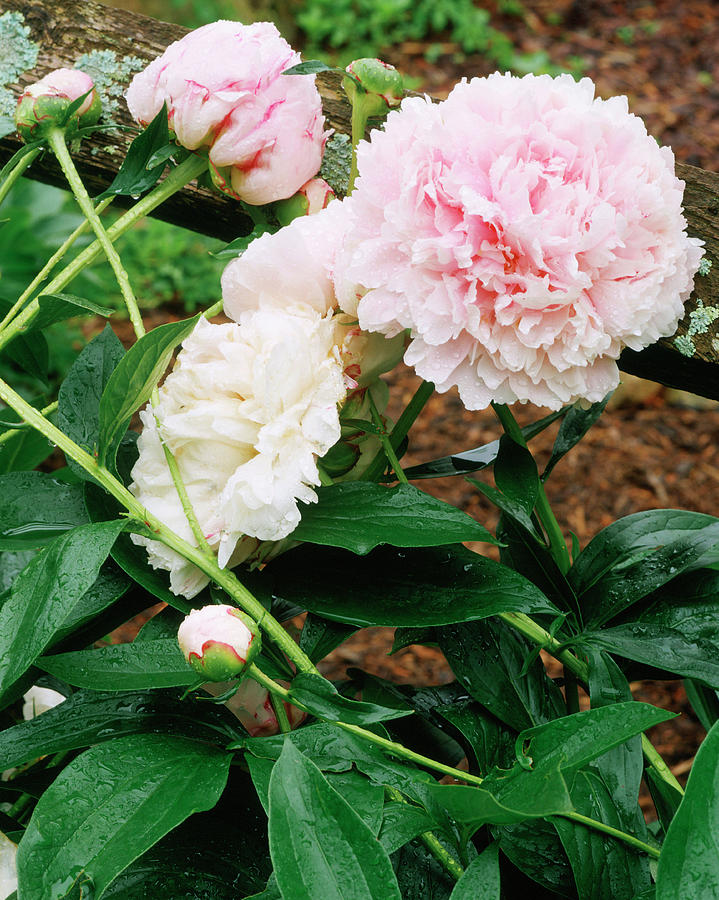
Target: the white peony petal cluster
(524, 232)
(247, 410)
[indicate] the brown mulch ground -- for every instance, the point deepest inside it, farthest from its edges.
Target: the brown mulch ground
(651, 449)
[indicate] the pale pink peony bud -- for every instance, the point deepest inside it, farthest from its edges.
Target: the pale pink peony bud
(224, 89)
(44, 104)
(216, 642)
(252, 705)
(310, 199)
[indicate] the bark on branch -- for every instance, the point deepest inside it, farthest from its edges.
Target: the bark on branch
(65, 30)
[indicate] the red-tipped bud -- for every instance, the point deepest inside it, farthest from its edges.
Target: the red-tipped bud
(313, 196)
(375, 83)
(44, 105)
(217, 643)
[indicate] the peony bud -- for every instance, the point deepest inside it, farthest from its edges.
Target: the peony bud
(378, 84)
(44, 104)
(311, 198)
(217, 643)
(252, 705)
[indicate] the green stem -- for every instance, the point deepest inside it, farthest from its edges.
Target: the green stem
(152, 527)
(387, 443)
(359, 124)
(571, 688)
(557, 543)
(175, 181)
(282, 718)
(17, 171)
(11, 432)
(614, 832)
(538, 635)
(431, 842)
(415, 406)
(51, 263)
(56, 139)
(278, 701)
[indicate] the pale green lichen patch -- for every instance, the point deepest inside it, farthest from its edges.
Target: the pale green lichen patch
(17, 54)
(700, 321)
(705, 266)
(111, 76)
(336, 163)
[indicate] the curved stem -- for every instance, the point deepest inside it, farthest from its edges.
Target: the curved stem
(431, 841)
(175, 181)
(614, 832)
(56, 139)
(51, 263)
(359, 124)
(17, 171)
(557, 543)
(11, 432)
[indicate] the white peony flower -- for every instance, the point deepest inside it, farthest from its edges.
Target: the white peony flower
(38, 700)
(246, 412)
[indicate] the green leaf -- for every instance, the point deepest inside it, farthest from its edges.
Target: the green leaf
(131, 383)
(320, 636)
(320, 847)
(122, 667)
(31, 354)
(434, 586)
(661, 647)
(134, 177)
(90, 717)
(704, 701)
(364, 796)
(637, 555)
(45, 592)
(236, 248)
(481, 878)
(419, 875)
(573, 741)
(575, 424)
(24, 449)
(535, 849)
(665, 797)
(358, 516)
(311, 67)
(401, 822)
(515, 474)
(80, 392)
(58, 307)
(488, 658)
(322, 699)
(473, 460)
(508, 505)
(689, 604)
(36, 508)
(112, 803)
(602, 868)
(109, 586)
(334, 750)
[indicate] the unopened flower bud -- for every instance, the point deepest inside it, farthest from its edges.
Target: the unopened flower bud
(44, 105)
(313, 196)
(217, 643)
(376, 82)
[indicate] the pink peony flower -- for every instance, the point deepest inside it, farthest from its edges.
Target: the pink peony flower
(224, 90)
(524, 231)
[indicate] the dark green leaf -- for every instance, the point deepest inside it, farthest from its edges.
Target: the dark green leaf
(364, 796)
(535, 849)
(162, 626)
(90, 717)
(11, 565)
(603, 868)
(575, 424)
(334, 750)
(134, 177)
(320, 847)
(240, 244)
(131, 383)
(666, 797)
(320, 636)
(573, 741)
(704, 701)
(401, 822)
(473, 460)
(434, 586)
(122, 667)
(419, 875)
(58, 307)
(488, 658)
(358, 516)
(32, 354)
(311, 67)
(45, 592)
(109, 586)
(112, 803)
(508, 505)
(487, 738)
(36, 508)
(131, 558)
(637, 555)
(661, 647)
(481, 878)
(24, 449)
(80, 392)
(322, 699)
(689, 604)
(515, 474)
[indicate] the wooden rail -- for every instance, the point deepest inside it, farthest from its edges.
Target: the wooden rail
(120, 42)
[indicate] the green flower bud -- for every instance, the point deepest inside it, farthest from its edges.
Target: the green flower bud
(217, 643)
(311, 198)
(44, 105)
(375, 83)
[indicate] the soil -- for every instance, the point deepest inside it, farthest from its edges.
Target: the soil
(652, 448)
